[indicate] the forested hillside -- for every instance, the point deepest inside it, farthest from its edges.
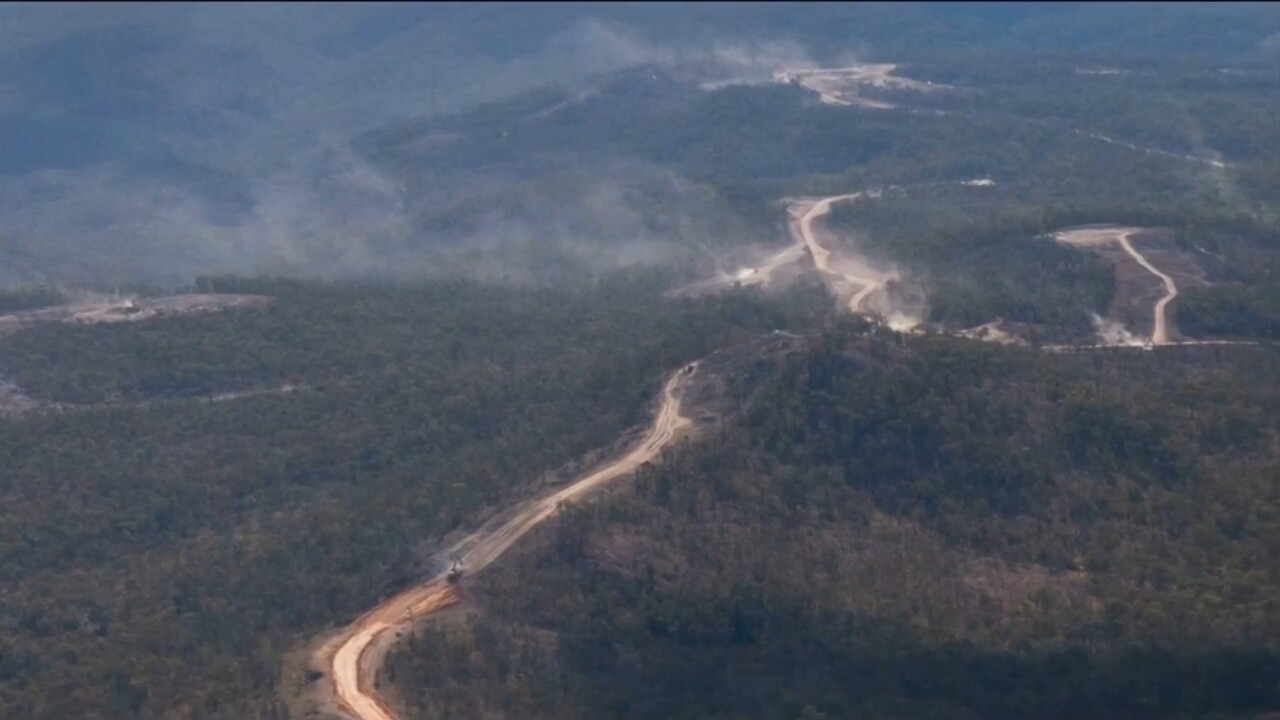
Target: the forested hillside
(160, 561)
(1162, 143)
(503, 255)
(978, 265)
(921, 529)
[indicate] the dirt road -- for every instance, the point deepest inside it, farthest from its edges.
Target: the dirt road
(1160, 330)
(351, 659)
(763, 274)
(1096, 236)
(803, 214)
(848, 272)
(866, 282)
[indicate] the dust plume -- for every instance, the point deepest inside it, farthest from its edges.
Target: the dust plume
(1112, 333)
(237, 158)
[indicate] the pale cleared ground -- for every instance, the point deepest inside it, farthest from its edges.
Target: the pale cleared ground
(842, 86)
(105, 309)
(850, 275)
(764, 274)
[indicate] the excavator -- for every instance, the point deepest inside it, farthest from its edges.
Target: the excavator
(454, 574)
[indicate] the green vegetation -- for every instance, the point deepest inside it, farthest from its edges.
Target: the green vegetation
(935, 529)
(26, 298)
(973, 249)
(981, 255)
(161, 561)
(1231, 312)
(976, 271)
(877, 526)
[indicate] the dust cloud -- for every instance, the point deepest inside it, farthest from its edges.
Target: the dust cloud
(239, 159)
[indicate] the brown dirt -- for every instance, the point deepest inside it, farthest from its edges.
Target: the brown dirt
(350, 658)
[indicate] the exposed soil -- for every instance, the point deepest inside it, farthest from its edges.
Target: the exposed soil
(848, 85)
(127, 309)
(351, 658)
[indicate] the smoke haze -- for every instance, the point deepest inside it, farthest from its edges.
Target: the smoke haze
(148, 142)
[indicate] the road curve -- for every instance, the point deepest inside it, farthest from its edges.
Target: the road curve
(352, 658)
(803, 214)
(1160, 328)
(822, 257)
(1095, 236)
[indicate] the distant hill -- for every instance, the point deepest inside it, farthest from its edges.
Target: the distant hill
(154, 143)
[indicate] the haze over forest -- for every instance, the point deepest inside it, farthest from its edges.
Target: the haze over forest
(149, 143)
(742, 361)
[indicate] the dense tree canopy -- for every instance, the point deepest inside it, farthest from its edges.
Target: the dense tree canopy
(159, 561)
(935, 529)
(875, 525)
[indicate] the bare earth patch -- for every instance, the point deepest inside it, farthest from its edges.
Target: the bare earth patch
(128, 309)
(846, 86)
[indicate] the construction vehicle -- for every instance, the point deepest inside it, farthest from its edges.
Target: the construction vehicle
(454, 574)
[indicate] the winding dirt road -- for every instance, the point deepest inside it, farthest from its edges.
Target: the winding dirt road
(849, 272)
(803, 214)
(867, 284)
(847, 269)
(1097, 236)
(1160, 328)
(353, 656)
